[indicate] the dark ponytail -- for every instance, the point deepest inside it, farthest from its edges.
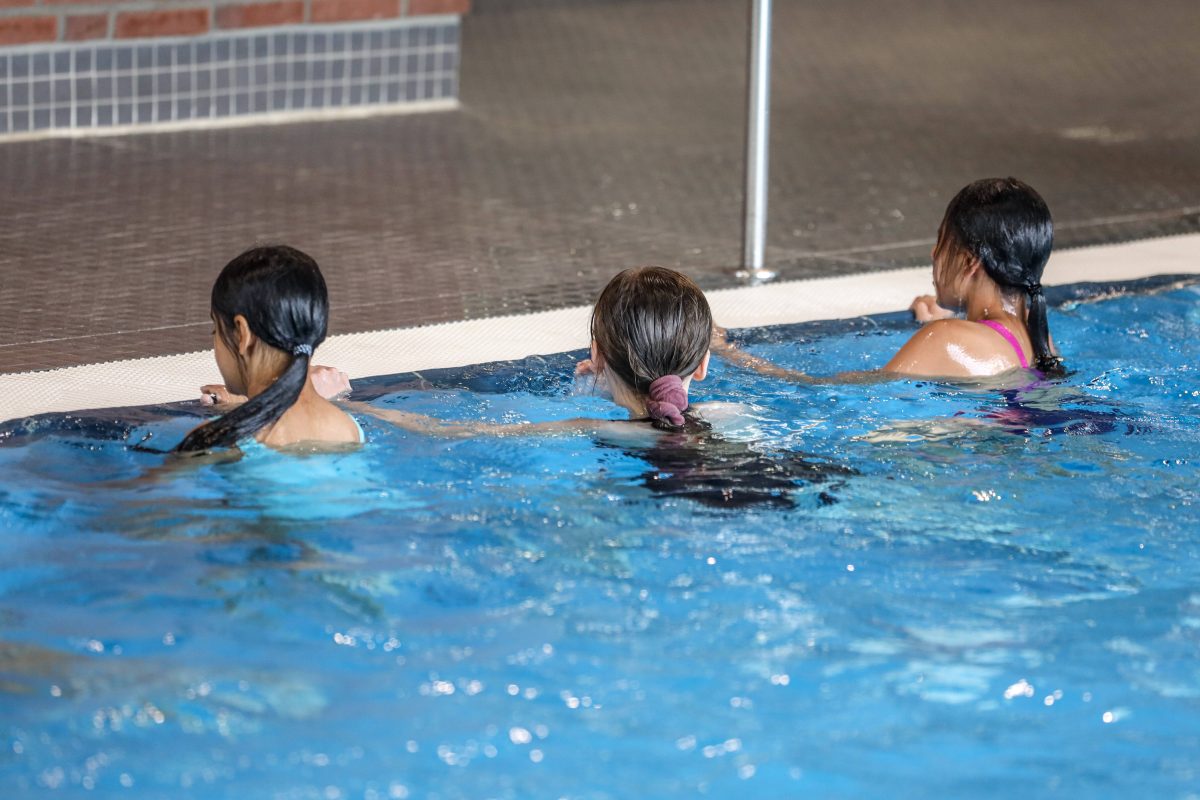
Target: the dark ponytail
(1044, 360)
(1006, 225)
(282, 295)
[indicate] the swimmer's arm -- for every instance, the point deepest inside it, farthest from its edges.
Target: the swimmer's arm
(431, 426)
(735, 355)
(923, 355)
(722, 347)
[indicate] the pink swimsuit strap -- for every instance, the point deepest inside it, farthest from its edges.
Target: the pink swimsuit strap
(999, 328)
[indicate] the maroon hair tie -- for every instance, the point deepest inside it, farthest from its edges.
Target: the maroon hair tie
(668, 399)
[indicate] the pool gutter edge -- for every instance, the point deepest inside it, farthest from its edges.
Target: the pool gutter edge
(164, 379)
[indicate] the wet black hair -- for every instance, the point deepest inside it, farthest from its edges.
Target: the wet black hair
(282, 295)
(650, 322)
(1006, 225)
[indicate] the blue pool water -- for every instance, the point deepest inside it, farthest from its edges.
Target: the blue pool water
(939, 591)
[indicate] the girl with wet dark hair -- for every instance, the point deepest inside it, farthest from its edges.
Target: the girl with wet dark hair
(651, 328)
(992, 247)
(270, 310)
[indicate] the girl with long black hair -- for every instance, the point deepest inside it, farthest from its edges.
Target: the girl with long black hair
(993, 245)
(270, 311)
(991, 250)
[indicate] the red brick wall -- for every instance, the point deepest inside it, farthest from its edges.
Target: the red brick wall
(32, 21)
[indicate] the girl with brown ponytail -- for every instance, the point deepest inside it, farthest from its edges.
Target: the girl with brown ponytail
(651, 328)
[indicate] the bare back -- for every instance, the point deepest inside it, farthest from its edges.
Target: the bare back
(312, 419)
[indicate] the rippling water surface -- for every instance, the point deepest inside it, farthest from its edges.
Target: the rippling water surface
(905, 589)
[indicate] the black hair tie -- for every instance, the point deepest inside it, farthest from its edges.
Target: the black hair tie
(1034, 289)
(302, 350)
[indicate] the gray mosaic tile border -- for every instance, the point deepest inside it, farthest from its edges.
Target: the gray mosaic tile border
(99, 85)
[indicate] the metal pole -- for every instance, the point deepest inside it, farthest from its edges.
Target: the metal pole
(758, 129)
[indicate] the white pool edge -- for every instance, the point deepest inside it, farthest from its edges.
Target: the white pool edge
(164, 379)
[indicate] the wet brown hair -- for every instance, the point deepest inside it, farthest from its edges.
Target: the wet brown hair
(650, 322)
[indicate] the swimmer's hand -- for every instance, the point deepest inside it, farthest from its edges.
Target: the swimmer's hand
(926, 309)
(330, 382)
(590, 378)
(218, 396)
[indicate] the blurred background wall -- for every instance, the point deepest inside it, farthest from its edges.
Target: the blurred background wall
(85, 64)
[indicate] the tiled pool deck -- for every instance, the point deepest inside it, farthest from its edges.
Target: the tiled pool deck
(597, 135)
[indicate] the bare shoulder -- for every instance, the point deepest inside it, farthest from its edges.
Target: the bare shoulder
(951, 348)
(937, 334)
(343, 426)
(318, 423)
(328, 422)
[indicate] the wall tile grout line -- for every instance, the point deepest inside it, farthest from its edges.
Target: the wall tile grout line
(273, 71)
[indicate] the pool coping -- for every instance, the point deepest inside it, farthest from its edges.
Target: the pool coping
(165, 379)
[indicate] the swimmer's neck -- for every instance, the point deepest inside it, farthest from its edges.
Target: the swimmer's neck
(989, 302)
(259, 380)
(258, 384)
(628, 399)
(631, 401)
(306, 404)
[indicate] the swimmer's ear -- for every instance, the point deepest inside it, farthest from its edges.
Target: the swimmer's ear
(242, 334)
(702, 371)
